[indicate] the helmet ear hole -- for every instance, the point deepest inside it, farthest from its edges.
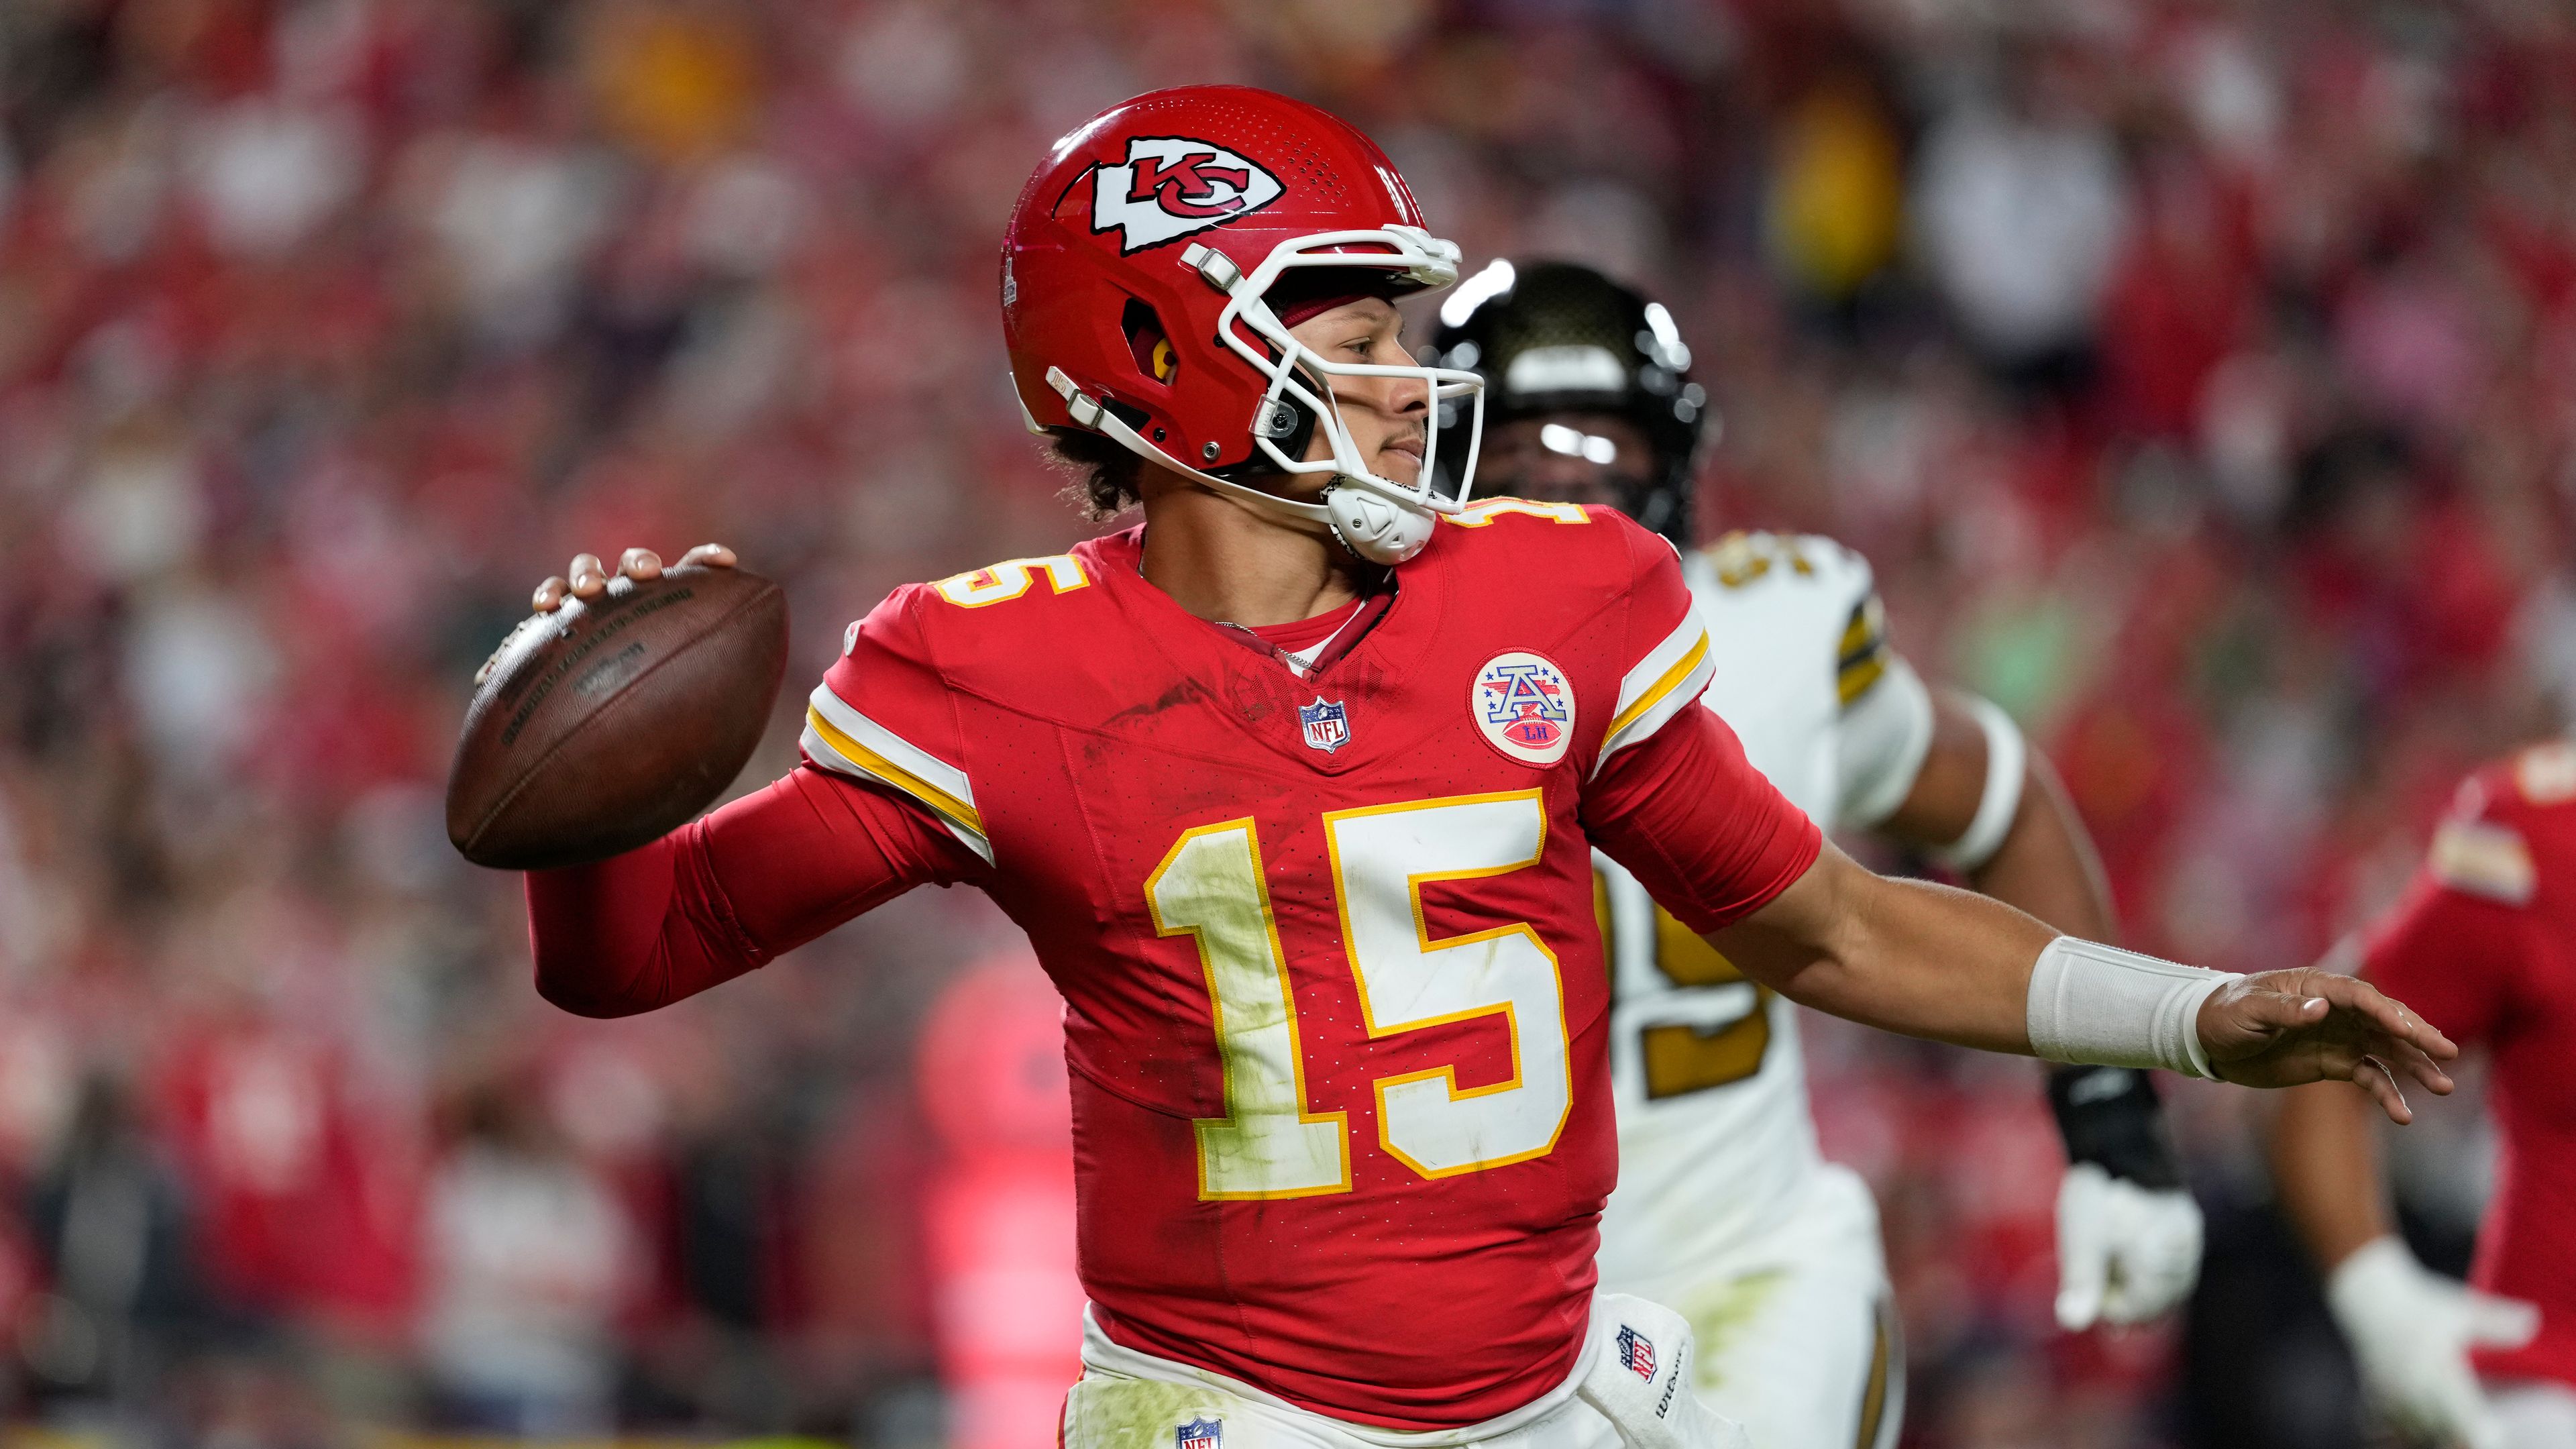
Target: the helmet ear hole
(1148, 343)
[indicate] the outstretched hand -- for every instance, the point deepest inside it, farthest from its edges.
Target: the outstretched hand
(2282, 1028)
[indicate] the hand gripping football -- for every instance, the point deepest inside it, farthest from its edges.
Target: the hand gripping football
(616, 719)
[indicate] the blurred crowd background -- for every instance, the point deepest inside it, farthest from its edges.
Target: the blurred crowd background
(2197, 374)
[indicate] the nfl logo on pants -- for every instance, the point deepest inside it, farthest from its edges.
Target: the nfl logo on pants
(1200, 1434)
(1636, 1354)
(1327, 726)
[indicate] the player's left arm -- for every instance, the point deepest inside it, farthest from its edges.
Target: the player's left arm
(1670, 795)
(1989, 806)
(1931, 961)
(1717, 846)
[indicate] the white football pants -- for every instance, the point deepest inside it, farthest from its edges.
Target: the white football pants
(1797, 1329)
(1621, 1395)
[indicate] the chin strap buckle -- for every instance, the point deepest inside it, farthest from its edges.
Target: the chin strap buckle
(1084, 410)
(1215, 267)
(1440, 256)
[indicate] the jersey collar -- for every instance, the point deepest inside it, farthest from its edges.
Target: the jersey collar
(1363, 669)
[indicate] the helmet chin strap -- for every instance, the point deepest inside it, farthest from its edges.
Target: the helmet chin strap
(1377, 530)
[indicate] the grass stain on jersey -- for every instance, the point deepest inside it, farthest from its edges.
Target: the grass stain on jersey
(1186, 691)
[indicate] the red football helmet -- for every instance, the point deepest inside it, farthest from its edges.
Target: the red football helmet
(1134, 276)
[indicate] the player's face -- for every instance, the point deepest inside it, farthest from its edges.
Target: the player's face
(1386, 416)
(1565, 458)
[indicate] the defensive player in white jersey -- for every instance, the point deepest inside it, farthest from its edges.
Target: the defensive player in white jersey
(1725, 1210)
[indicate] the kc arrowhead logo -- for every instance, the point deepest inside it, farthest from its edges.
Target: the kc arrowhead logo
(1171, 186)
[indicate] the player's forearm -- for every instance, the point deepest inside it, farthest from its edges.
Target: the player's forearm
(757, 878)
(2046, 865)
(1905, 956)
(2325, 1165)
(620, 936)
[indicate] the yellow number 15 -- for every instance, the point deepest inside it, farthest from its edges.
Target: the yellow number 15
(1269, 1143)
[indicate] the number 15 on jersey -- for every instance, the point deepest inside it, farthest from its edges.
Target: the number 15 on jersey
(1271, 1143)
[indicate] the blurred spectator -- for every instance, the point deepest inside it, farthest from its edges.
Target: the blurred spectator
(528, 1261)
(1836, 208)
(111, 1231)
(2021, 208)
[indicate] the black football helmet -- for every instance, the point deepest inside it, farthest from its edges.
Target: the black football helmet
(1553, 337)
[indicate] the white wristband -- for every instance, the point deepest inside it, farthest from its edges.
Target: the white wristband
(2108, 1007)
(2007, 765)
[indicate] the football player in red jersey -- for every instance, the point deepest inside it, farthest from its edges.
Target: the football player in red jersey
(1295, 789)
(2484, 940)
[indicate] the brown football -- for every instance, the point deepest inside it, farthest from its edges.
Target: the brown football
(616, 719)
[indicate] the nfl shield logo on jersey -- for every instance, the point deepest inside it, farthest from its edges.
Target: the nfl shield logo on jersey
(1524, 706)
(1201, 1434)
(1327, 726)
(1636, 1354)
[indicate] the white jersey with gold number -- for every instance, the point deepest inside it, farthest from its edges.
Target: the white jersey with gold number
(1724, 1210)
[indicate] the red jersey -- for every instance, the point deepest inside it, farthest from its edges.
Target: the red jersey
(2484, 946)
(1334, 992)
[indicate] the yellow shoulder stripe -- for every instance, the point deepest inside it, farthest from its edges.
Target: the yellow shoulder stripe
(947, 806)
(1669, 681)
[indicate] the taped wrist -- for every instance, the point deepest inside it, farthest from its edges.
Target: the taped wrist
(2111, 1118)
(2107, 1007)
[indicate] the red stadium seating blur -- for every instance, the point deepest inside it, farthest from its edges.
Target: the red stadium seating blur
(2196, 374)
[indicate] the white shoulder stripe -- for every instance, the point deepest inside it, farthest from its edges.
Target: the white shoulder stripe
(1668, 679)
(1649, 673)
(841, 739)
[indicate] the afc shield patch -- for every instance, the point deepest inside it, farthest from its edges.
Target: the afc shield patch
(1171, 186)
(1326, 724)
(1524, 706)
